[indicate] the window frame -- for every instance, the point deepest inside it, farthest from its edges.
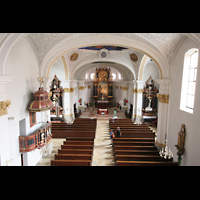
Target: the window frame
(188, 80)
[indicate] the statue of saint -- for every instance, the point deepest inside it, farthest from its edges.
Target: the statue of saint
(181, 143)
(181, 140)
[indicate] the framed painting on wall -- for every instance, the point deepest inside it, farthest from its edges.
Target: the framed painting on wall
(32, 118)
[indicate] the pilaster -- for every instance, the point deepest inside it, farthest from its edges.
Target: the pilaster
(163, 109)
(68, 100)
(81, 94)
(5, 103)
(138, 111)
(124, 95)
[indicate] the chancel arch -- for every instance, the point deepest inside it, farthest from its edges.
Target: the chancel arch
(101, 40)
(125, 72)
(123, 65)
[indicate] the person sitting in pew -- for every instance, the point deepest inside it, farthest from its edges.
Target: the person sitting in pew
(119, 133)
(112, 135)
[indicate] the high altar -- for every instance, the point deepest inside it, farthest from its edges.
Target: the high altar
(103, 88)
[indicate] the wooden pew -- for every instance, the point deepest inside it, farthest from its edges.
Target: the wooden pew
(145, 163)
(136, 152)
(139, 158)
(133, 143)
(75, 151)
(73, 156)
(78, 142)
(77, 146)
(135, 147)
(138, 135)
(71, 163)
(134, 139)
(64, 134)
(80, 138)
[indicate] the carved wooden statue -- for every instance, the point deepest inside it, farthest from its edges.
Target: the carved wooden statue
(181, 143)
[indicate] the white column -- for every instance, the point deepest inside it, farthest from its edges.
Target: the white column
(163, 109)
(81, 95)
(4, 130)
(124, 90)
(117, 92)
(134, 101)
(139, 91)
(68, 100)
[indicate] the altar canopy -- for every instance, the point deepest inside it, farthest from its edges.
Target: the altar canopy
(103, 88)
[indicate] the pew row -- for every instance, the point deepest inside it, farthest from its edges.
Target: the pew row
(136, 147)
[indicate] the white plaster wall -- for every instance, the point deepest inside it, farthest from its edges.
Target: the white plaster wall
(22, 65)
(58, 69)
(151, 69)
(177, 116)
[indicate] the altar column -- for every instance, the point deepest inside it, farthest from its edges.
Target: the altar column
(138, 105)
(163, 109)
(68, 100)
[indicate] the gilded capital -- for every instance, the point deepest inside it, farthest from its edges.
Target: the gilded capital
(125, 88)
(3, 107)
(68, 90)
(81, 87)
(163, 98)
(137, 90)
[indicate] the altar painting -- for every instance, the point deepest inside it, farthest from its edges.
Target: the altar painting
(103, 89)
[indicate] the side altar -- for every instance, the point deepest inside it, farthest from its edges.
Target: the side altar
(103, 88)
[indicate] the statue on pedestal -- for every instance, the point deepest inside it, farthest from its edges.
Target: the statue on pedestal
(181, 143)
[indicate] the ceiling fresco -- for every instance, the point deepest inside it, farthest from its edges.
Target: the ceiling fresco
(108, 47)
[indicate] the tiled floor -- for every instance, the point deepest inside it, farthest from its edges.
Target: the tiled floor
(103, 153)
(46, 161)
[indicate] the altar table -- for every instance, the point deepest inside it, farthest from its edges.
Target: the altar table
(102, 111)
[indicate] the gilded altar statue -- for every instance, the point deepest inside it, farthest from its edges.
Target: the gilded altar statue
(181, 143)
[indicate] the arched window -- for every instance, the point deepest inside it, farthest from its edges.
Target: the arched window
(189, 80)
(92, 75)
(114, 76)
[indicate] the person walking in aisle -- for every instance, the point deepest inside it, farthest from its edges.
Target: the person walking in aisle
(112, 135)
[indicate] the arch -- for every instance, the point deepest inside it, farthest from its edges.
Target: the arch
(113, 58)
(158, 58)
(8, 41)
(124, 71)
(64, 65)
(141, 68)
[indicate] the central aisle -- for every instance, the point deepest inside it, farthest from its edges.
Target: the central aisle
(102, 153)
